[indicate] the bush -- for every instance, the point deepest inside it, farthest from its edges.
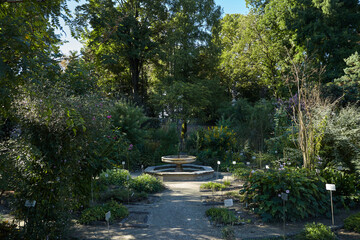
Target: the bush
(123, 195)
(307, 195)
(347, 186)
(228, 233)
(97, 213)
(221, 215)
(214, 143)
(241, 171)
(146, 183)
(316, 231)
(119, 177)
(352, 223)
(130, 120)
(213, 186)
(341, 142)
(159, 142)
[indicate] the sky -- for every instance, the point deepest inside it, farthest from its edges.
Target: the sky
(228, 6)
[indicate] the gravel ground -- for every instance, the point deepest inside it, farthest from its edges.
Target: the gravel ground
(178, 214)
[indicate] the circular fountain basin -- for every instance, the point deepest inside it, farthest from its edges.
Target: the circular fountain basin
(189, 172)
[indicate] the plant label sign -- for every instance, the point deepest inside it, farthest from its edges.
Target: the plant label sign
(247, 163)
(123, 163)
(107, 216)
(267, 167)
(330, 187)
(29, 203)
(228, 202)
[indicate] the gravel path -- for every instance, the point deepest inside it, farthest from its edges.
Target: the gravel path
(177, 214)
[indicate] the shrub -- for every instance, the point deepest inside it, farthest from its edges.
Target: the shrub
(130, 120)
(123, 195)
(352, 223)
(97, 213)
(307, 195)
(119, 177)
(213, 186)
(347, 186)
(228, 233)
(341, 142)
(159, 142)
(221, 215)
(146, 183)
(213, 144)
(316, 231)
(241, 171)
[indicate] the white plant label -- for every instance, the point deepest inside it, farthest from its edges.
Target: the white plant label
(218, 162)
(247, 163)
(330, 187)
(29, 203)
(107, 216)
(228, 202)
(267, 167)
(123, 163)
(234, 162)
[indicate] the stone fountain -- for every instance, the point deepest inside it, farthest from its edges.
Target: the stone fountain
(180, 169)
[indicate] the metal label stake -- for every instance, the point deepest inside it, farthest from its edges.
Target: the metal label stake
(331, 188)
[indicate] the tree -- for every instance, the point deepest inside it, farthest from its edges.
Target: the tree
(251, 58)
(185, 71)
(124, 36)
(327, 30)
(27, 44)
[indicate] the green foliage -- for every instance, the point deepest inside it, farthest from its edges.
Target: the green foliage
(228, 233)
(122, 195)
(253, 122)
(316, 231)
(241, 171)
(129, 120)
(330, 39)
(249, 63)
(214, 144)
(341, 139)
(97, 213)
(159, 142)
(221, 215)
(352, 223)
(307, 195)
(347, 184)
(146, 183)
(213, 186)
(119, 177)
(122, 52)
(352, 71)
(188, 50)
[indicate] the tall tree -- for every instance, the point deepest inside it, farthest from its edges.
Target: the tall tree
(123, 36)
(28, 43)
(326, 29)
(251, 58)
(186, 68)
